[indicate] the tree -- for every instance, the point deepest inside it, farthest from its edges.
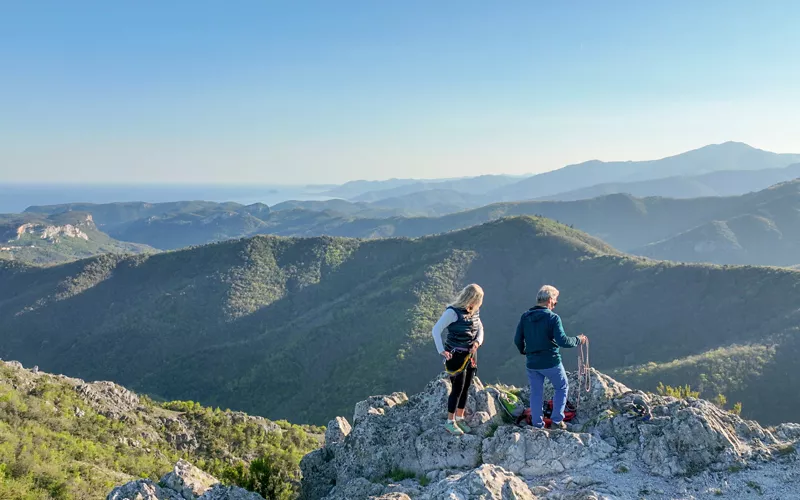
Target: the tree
(273, 477)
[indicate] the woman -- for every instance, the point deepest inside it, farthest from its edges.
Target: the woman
(462, 322)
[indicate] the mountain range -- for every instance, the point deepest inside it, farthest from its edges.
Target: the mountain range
(725, 169)
(755, 228)
(301, 328)
(708, 217)
(719, 183)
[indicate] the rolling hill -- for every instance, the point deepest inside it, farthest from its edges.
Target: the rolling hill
(306, 327)
(764, 230)
(730, 229)
(169, 225)
(369, 191)
(58, 238)
(761, 227)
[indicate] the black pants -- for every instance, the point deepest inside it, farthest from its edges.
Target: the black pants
(458, 394)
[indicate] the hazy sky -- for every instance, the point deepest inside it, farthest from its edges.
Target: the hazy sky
(293, 91)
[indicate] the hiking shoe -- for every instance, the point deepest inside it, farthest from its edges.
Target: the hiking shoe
(453, 428)
(463, 426)
(558, 426)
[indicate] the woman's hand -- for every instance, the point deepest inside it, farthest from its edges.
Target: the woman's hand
(446, 354)
(582, 338)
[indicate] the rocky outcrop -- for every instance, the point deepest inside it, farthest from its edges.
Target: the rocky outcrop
(53, 232)
(486, 481)
(397, 448)
(149, 428)
(185, 482)
(109, 399)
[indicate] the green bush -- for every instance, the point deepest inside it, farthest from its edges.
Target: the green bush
(682, 392)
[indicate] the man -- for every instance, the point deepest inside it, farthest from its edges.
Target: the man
(539, 337)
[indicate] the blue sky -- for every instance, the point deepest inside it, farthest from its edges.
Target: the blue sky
(328, 91)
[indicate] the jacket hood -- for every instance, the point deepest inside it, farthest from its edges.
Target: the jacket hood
(539, 313)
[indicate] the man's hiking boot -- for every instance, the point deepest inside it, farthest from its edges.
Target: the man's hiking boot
(558, 426)
(453, 428)
(462, 424)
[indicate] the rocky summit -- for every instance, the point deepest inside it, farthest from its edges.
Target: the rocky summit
(396, 448)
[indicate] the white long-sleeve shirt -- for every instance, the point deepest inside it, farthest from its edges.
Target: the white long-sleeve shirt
(450, 316)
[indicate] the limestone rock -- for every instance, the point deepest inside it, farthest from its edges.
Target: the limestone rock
(219, 492)
(690, 438)
(788, 432)
(178, 434)
(337, 430)
(319, 473)
(393, 496)
(188, 481)
(377, 405)
(185, 482)
(602, 390)
(537, 452)
(109, 399)
(15, 364)
(143, 489)
(357, 489)
(487, 482)
(700, 436)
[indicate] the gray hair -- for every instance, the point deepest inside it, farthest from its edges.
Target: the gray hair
(546, 293)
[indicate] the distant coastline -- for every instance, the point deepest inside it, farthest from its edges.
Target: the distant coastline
(15, 198)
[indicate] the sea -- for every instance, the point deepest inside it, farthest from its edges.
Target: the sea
(15, 198)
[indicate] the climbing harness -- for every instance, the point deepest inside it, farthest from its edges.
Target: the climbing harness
(469, 358)
(584, 372)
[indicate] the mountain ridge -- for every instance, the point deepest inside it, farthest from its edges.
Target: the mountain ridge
(303, 313)
(725, 156)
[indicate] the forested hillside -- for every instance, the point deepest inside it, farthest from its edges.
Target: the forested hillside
(757, 228)
(63, 438)
(57, 238)
(303, 328)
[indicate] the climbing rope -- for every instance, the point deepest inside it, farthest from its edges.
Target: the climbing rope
(584, 372)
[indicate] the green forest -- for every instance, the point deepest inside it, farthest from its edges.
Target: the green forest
(301, 329)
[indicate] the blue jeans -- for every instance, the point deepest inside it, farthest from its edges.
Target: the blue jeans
(558, 377)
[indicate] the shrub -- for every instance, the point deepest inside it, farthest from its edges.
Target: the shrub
(681, 392)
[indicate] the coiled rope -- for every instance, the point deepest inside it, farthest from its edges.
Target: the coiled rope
(584, 372)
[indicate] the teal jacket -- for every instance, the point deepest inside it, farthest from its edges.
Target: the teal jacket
(539, 336)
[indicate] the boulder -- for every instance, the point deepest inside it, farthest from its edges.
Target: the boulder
(319, 474)
(356, 489)
(534, 452)
(487, 482)
(219, 492)
(185, 482)
(337, 430)
(698, 436)
(377, 405)
(188, 481)
(143, 489)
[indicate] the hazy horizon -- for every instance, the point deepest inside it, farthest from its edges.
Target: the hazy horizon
(321, 93)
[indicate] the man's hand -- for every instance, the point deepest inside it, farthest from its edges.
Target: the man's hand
(474, 348)
(446, 354)
(582, 338)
